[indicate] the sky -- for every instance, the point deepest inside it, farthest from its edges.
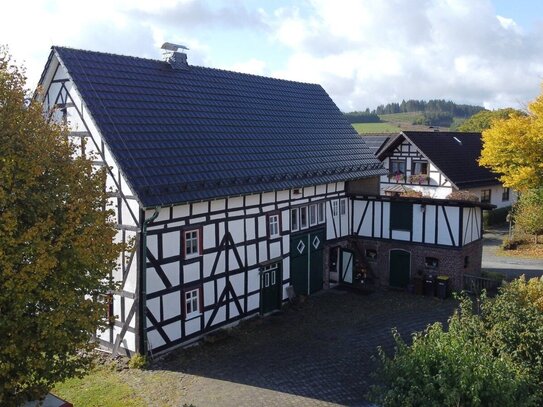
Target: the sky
(364, 53)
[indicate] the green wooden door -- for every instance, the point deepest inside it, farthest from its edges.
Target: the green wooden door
(306, 261)
(270, 289)
(400, 268)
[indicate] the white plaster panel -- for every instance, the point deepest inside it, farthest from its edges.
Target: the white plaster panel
(253, 280)
(235, 202)
(221, 283)
(330, 231)
(400, 235)
(163, 214)
(365, 230)
(209, 236)
(199, 208)
(221, 231)
(172, 272)
(268, 208)
(262, 230)
(220, 316)
(154, 339)
(152, 244)
(130, 212)
(154, 283)
(171, 244)
(320, 189)
(250, 228)
(253, 302)
(430, 228)
(237, 281)
(262, 252)
(180, 211)
(252, 211)
(453, 214)
(377, 219)
(331, 188)
(283, 205)
(268, 197)
(282, 195)
(285, 220)
(209, 293)
(216, 216)
(154, 307)
(209, 260)
(386, 220)
(218, 205)
(233, 310)
(275, 250)
(251, 255)
(235, 214)
(309, 191)
(251, 200)
(286, 269)
(286, 244)
(171, 304)
(235, 227)
(233, 261)
(191, 272)
(417, 222)
(442, 231)
(173, 330)
(340, 186)
(192, 326)
(200, 219)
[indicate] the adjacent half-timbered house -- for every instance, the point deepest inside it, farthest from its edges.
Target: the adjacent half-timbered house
(236, 191)
(438, 163)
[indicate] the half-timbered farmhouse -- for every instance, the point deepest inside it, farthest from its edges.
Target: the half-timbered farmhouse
(436, 164)
(238, 191)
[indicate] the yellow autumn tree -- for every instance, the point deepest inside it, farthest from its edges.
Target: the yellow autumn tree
(513, 148)
(56, 250)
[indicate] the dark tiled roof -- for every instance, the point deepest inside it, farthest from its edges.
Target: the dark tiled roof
(456, 154)
(376, 141)
(200, 133)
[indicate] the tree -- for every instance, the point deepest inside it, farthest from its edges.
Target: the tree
(56, 250)
(513, 147)
(483, 120)
(528, 213)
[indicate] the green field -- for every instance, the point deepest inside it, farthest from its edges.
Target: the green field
(375, 128)
(401, 117)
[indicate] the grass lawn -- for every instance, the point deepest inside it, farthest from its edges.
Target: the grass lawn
(101, 387)
(408, 117)
(375, 128)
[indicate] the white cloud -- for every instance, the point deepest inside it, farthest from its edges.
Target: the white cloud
(253, 66)
(365, 53)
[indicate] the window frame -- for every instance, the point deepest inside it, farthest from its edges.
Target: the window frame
(295, 211)
(421, 163)
(402, 163)
(321, 210)
(302, 210)
(506, 193)
(270, 216)
(312, 218)
(484, 199)
(198, 231)
(335, 207)
(199, 302)
(343, 206)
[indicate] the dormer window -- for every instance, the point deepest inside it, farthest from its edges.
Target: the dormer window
(419, 167)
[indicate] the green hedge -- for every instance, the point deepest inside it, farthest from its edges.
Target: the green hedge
(495, 216)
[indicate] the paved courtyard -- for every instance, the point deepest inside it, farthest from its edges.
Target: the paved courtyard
(317, 353)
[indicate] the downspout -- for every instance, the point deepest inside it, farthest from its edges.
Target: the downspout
(143, 282)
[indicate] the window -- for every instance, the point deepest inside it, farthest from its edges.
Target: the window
(192, 303)
(294, 219)
(505, 194)
(273, 225)
(321, 212)
(397, 166)
(303, 217)
(401, 216)
(485, 195)
(419, 167)
(192, 243)
(335, 208)
(312, 215)
(343, 207)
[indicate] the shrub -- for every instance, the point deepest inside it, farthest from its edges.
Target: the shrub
(451, 368)
(528, 215)
(496, 216)
(137, 361)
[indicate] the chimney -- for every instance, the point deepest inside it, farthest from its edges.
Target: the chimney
(172, 55)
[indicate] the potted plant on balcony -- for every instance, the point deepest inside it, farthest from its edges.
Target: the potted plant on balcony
(397, 175)
(418, 178)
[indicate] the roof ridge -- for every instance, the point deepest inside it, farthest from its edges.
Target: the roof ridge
(54, 47)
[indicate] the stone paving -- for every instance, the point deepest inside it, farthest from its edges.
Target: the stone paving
(317, 353)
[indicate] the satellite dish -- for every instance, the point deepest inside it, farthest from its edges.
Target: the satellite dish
(168, 46)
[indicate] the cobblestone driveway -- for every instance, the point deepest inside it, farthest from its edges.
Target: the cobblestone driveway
(313, 354)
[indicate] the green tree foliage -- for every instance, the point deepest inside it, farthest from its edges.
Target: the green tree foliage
(450, 368)
(362, 117)
(490, 358)
(444, 119)
(56, 250)
(528, 213)
(431, 106)
(483, 120)
(513, 147)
